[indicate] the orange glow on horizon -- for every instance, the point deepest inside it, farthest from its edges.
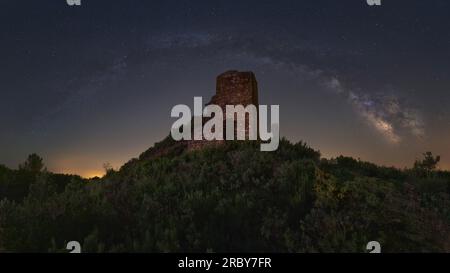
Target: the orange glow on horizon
(94, 174)
(85, 174)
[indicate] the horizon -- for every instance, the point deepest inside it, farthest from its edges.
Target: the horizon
(93, 173)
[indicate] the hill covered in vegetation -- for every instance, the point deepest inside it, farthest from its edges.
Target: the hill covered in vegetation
(230, 197)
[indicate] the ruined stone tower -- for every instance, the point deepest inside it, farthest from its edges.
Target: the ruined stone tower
(232, 88)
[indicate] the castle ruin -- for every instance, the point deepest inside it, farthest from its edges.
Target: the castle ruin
(232, 88)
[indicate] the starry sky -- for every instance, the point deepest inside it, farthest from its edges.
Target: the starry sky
(86, 85)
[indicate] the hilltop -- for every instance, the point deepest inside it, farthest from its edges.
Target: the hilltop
(230, 197)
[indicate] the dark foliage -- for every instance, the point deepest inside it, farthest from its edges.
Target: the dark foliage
(228, 198)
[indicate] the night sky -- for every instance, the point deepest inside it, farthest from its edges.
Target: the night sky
(82, 86)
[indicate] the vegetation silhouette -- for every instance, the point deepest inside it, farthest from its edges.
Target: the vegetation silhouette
(225, 198)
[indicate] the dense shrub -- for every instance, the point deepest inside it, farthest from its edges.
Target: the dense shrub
(228, 198)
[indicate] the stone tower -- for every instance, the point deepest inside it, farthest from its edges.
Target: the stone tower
(232, 88)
